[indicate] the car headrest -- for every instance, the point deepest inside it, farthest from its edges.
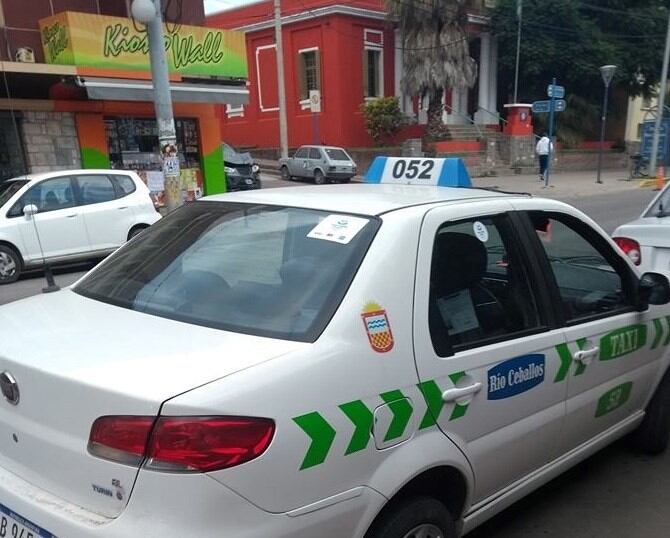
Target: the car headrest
(459, 262)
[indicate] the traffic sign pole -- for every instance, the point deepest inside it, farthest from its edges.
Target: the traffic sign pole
(552, 103)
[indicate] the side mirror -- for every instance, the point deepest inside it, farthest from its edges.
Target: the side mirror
(653, 288)
(30, 210)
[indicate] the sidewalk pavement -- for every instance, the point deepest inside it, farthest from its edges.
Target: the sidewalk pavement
(562, 185)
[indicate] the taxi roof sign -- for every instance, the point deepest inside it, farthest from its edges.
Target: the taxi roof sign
(418, 171)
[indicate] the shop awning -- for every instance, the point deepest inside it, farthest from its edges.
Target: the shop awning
(111, 89)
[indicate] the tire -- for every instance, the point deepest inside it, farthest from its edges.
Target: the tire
(319, 178)
(653, 435)
(137, 230)
(417, 517)
(11, 265)
(284, 173)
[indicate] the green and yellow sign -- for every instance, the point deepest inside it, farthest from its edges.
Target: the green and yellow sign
(85, 40)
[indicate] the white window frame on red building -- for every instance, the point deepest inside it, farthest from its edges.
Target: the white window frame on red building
(376, 46)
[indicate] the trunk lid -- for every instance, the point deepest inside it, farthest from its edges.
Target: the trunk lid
(75, 359)
(654, 232)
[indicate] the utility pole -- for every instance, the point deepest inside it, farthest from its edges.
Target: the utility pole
(661, 103)
(283, 122)
(149, 12)
(519, 13)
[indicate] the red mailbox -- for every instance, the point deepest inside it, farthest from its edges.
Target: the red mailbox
(519, 120)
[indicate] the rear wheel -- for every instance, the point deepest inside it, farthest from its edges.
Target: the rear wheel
(284, 173)
(319, 178)
(137, 230)
(653, 434)
(10, 265)
(418, 517)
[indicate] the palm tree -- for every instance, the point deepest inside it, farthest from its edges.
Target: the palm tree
(436, 52)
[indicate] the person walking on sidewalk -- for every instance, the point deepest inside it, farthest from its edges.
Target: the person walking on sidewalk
(542, 149)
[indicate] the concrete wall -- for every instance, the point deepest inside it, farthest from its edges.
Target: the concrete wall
(50, 141)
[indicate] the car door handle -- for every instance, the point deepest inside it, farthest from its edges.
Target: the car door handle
(71, 216)
(585, 356)
(452, 395)
(122, 208)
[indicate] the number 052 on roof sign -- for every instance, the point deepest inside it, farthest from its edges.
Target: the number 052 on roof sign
(418, 171)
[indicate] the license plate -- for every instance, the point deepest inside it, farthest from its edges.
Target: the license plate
(12, 525)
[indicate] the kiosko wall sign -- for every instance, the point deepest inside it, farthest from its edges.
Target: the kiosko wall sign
(86, 40)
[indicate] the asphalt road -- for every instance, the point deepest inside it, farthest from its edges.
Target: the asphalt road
(614, 494)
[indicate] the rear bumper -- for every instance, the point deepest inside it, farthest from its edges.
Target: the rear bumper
(340, 175)
(170, 505)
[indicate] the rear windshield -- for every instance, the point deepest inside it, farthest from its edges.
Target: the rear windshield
(661, 206)
(337, 154)
(9, 189)
(265, 270)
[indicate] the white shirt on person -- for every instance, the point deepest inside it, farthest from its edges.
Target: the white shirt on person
(542, 147)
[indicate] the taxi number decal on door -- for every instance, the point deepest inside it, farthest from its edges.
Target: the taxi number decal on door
(322, 434)
(613, 399)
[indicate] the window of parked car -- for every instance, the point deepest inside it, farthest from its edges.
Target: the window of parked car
(480, 289)
(95, 189)
(264, 270)
(50, 195)
(124, 185)
(592, 279)
(302, 153)
(9, 189)
(337, 154)
(661, 206)
(315, 154)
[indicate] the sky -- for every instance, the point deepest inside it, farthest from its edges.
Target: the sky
(217, 5)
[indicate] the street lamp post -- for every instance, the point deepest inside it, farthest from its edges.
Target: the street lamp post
(149, 13)
(607, 72)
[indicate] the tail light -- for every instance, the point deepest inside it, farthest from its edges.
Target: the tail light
(180, 444)
(631, 248)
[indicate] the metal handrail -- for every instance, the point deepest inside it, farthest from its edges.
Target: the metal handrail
(464, 116)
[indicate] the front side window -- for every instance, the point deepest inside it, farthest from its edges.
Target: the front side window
(264, 270)
(49, 195)
(592, 278)
(309, 72)
(95, 189)
(9, 189)
(479, 286)
(372, 73)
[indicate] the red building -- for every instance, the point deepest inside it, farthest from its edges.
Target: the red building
(348, 52)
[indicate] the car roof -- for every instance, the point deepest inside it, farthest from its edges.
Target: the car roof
(365, 199)
(59, 173)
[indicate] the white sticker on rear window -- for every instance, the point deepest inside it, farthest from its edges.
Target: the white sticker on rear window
(338, 228)
(481, 232)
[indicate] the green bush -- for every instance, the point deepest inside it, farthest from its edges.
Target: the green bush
(383, 118)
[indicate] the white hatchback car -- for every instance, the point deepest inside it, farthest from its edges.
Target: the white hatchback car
(646, 240)
(378, 361)
(69, 216)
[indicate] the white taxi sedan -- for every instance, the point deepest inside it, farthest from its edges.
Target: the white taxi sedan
(69, 216)
(390, 360)
(646, 240)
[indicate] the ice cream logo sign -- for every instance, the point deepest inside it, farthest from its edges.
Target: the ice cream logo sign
(55, 39)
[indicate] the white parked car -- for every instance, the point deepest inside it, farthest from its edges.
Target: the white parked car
(69, 216)
(646, 240)
(378, 361)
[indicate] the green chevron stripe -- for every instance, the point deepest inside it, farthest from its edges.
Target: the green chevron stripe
(402, 412)
(566, 360)
(667, 338)
(322, 436)
(581, 367)
(434, 403)
(362, 419)
(658, 332)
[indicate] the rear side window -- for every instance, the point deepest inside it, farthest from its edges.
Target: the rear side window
(314, 154)
(264, 270)
(95, 189)
(302, 153)
(124, 185)
(337, 154)
(480, 289)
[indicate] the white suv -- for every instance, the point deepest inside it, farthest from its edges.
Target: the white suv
(68, 216)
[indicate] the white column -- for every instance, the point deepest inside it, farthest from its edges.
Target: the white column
(481, 116)
(493, 82)
(445, 112)
(459, 104)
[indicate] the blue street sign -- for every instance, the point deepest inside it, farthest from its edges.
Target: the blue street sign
(555, 91)
(540, 107)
